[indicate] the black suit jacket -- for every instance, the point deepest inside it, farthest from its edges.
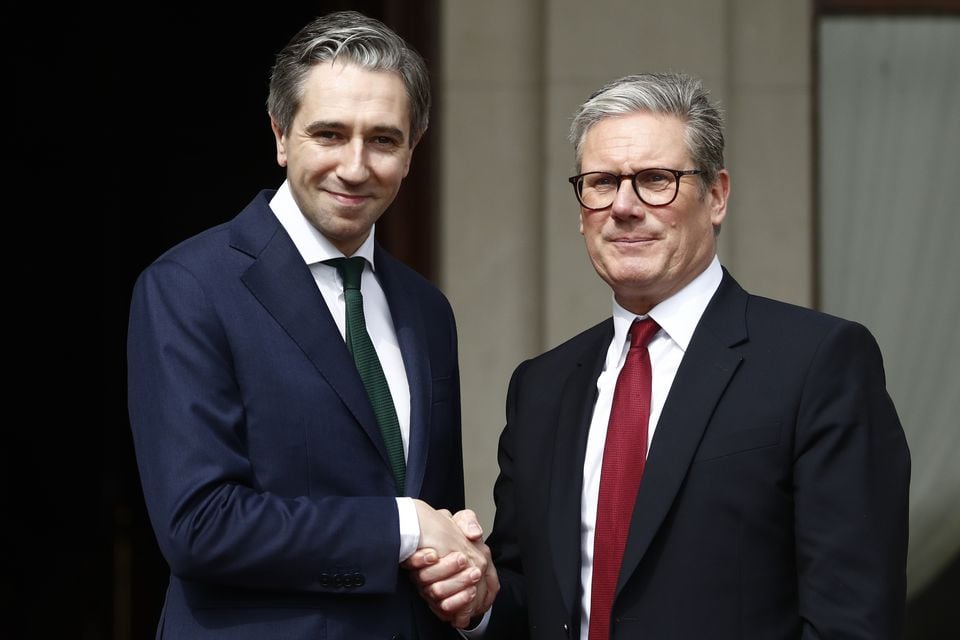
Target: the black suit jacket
(773, 503)
(264, 471)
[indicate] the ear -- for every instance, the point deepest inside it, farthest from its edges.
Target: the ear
(580, 220)
(281, 142)
(717, 197)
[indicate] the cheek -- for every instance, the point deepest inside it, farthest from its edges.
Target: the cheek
(313, 160)
(595, 244)
(397, 175)
(387, 176)
(687, 243)
(592, 227)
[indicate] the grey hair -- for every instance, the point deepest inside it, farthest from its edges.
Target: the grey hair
(675, 94)
(353, 37)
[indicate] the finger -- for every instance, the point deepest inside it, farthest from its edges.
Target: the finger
(469, 524)
(479, 556)
(459, 603)
(420, 559)
(445, 512)
(447, 567)
(441, 590)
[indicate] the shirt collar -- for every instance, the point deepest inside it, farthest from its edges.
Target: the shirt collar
(679, 314)
(313, 246)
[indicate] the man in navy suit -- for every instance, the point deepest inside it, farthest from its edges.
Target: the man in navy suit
(770, 471)
(281, 502)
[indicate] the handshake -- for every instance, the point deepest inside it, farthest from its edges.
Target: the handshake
(452, 566)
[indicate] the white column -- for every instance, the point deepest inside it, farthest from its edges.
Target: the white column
(767, 239)
(491, 211)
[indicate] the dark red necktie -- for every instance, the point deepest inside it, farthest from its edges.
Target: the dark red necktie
(624, 455)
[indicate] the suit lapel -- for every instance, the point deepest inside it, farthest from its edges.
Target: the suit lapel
(704, 374)
(283, 284)
(577, 397)
(411, 336)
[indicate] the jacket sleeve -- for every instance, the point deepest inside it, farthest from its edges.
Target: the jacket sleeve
(508, 616)
(851, 486)
(211, 521)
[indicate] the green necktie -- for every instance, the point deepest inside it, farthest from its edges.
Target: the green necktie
(368, 364)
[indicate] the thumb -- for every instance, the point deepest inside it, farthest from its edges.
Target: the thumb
(469, 525)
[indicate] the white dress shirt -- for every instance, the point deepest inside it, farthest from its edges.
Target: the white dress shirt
(678, 317)
(314, 247)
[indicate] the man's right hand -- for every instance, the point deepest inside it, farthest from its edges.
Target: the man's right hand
(452, 566)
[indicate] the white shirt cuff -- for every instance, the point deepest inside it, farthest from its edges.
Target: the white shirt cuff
(477, 632)
(409, 527)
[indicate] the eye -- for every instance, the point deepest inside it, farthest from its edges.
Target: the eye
(654, 179)
(386, 141)
(600, 181)
(327, 135)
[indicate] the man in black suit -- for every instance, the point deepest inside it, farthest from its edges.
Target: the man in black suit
(737, 472)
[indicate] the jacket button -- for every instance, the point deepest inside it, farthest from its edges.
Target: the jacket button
(566, 629)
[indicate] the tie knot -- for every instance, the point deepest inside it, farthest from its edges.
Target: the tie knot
(351, 270)
(642, 331)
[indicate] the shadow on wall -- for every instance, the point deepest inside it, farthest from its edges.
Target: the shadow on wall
(933, 613)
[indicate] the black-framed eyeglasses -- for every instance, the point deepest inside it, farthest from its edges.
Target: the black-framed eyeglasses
(655, 187)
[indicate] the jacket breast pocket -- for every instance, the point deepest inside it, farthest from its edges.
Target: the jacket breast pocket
(739, 441)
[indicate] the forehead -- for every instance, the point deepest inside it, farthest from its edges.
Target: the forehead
(638, 138)
(340, 89)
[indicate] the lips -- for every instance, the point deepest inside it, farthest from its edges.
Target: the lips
(633, 239)
(348, 199)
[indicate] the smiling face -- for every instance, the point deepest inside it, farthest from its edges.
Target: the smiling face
(347, 149)
(646, 254)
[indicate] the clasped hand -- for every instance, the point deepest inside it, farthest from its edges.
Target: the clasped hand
(452, 567)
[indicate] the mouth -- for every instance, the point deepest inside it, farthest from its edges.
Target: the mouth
(348, 199)
(632, 240)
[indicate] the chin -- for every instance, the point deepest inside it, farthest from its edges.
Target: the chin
(636, 273)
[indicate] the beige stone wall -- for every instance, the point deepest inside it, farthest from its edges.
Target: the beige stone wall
(512, 261)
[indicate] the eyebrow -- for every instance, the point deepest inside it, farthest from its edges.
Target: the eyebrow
(382, 129)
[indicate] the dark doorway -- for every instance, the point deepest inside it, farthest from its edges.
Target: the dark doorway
(176, 139)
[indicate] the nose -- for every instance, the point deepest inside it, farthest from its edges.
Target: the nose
(352, 167)
(626, 204)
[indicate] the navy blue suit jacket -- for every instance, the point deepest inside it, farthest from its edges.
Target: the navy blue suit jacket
(774, 499)
(265, 475)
